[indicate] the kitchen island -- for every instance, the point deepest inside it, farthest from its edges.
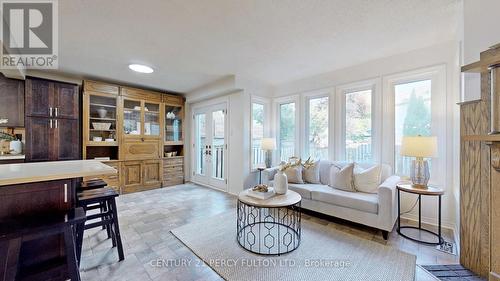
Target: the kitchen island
(44, 188)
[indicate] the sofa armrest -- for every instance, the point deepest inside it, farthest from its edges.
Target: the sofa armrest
(268, 174)
(388, 201)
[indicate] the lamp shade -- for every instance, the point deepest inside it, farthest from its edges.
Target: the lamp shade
(419, 146)
(268, 144)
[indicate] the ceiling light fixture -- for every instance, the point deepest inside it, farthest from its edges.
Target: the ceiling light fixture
(140, 68)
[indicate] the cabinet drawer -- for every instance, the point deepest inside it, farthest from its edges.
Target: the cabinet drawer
(138, 150)
(173, 162)
(168, 170)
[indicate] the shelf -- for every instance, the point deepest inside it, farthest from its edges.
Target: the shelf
(102, 143)
(103, 105)
(131, 109)
(153, 112)
(96, 130)
(173, 143)
(104, 119)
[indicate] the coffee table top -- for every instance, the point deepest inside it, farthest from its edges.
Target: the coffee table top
(430, 190)
(288, 199)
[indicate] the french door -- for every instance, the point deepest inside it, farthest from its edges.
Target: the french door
(210, 146)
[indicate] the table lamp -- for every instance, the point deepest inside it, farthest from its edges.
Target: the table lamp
(268, 145)
(419, 147)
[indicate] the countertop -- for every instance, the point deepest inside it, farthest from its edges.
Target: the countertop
(55, 170)
(11, 157)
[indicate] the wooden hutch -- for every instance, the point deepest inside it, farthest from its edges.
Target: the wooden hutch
(140, 131)
(480, 171)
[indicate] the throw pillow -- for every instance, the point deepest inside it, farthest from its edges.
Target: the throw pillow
(294, 174)
(341, 178)
(367, 180)
(311, 172)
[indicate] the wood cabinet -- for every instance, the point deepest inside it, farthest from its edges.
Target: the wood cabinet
(141, 175)
(142, 133)
(52, 121)
(173, 171)
(11, 102)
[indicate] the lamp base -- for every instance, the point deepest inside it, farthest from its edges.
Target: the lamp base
(420, 173)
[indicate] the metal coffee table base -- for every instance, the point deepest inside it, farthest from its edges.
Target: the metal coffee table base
(269, 230)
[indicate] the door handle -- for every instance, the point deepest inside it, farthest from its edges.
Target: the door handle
(50, 111)
(57, 111)
(56, 123)
(50, 121)
(65, 193)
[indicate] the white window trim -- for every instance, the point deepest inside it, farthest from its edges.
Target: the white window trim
(437, 74)
(340, 136)
(277, 103)
(267, 122)
(305, 98)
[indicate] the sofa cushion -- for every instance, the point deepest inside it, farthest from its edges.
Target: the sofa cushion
(304, 189)
(310, 173)
(342, 177)
(367, 180)
(294, 174)
(365, 202)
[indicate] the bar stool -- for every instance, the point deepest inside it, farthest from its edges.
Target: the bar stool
(15, 232)
(108, 215)
(91, 185)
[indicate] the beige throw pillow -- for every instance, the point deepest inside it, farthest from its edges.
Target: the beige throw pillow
(367, 180)
(311, 173)
(341, 178)
(294, 174)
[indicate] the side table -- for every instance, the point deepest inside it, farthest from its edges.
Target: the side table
(429, 191)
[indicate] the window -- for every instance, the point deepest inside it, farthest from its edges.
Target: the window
(358, 125)
(287, 130)
(258, 116)
(318, 128)
(412, 117)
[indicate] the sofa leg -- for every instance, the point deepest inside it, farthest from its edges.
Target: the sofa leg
(385, 234)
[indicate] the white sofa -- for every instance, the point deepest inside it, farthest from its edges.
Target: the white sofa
(375, 210)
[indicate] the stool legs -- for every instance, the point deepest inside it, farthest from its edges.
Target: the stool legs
(9, 257)
(71, 256)
(116, 229)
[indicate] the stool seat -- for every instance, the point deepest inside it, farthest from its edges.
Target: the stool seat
(13, 233)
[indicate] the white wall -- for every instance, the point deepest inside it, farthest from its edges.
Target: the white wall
(481, 27)
(446, 54)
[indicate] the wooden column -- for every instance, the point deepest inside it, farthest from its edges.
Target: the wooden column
(480, 172)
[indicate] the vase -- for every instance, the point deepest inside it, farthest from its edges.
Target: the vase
(280, 183)
(102, 112)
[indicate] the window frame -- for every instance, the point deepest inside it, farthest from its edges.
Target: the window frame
(297, 140)
(306, 98)
(376, 120)
(267, 121)
(437, 75)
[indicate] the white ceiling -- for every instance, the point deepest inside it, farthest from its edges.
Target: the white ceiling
(190, 43)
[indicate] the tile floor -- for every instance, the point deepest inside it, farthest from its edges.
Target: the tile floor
(146, 219)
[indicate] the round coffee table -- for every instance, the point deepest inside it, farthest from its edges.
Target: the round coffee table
(271, 226)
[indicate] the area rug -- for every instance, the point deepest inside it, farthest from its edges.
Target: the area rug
(324, 254)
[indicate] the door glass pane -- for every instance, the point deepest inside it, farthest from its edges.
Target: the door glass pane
(173, 123)
(152, 119)
(102, 114)
(412, 118)
(218, 160)
(318, 128)
(258, 155)
(358, 126)
(200, 143)
(287, 131)
(131, 117)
